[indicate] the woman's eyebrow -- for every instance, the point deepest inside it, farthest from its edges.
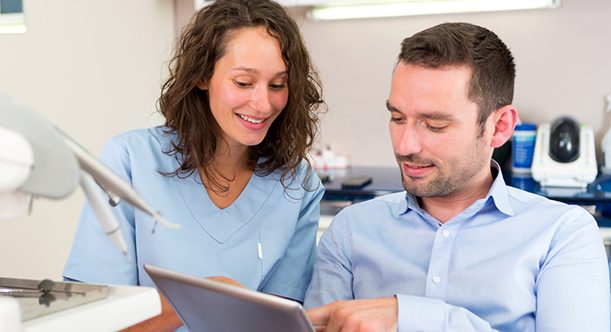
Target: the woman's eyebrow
(254, 71)
(246, 69)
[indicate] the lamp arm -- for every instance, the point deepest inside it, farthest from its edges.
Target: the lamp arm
(113, 183)
(102, 210)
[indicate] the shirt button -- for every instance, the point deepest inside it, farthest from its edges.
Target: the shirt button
(436, 279)
(446, 233)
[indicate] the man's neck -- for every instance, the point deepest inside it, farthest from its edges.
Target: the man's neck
(447, 207)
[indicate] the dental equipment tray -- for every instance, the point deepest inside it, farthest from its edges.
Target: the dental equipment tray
(35, 302)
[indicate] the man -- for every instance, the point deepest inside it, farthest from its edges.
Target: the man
(460, 251)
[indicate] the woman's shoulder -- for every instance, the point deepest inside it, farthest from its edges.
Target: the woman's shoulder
(159, 134)
(157, 138)
(139, 141)
(140, 148)
(306, 179)
(302, 174)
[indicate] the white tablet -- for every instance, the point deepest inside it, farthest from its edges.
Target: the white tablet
(206, 305)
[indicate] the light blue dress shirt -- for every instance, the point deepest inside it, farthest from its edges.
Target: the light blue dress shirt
(266, 239)
(512, 261)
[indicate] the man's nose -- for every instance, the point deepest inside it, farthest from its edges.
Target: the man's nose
(409, 141)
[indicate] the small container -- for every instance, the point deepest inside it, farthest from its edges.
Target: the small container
(523, 147)
(523, 181)
(606, 144)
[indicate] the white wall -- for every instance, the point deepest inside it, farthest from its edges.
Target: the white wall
(563, 59)
(93, 68)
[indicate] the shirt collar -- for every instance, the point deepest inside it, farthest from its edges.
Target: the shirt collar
(497, 195)
(498, 191)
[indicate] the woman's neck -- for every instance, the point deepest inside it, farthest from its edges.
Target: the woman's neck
(229, 160)
(231, 172)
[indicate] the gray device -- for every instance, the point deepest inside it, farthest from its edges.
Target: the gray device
(206, 305)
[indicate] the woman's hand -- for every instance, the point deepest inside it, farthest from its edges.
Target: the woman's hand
(226, 280)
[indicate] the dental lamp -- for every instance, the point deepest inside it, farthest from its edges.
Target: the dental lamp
(38, 159)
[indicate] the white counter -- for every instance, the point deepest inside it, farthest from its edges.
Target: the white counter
(124, 307)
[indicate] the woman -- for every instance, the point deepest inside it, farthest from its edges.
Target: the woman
(229, 165)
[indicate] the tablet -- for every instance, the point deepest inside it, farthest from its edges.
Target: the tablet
(206, 305)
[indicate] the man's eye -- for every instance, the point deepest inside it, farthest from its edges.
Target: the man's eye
(435, 129)
(397, 120)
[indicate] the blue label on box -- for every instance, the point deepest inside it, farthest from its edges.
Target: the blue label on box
(524, 148)
(524, 138)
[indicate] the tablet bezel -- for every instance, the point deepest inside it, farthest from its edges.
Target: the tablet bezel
(224, 307)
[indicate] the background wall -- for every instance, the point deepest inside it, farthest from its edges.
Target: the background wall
(563, 59)
(94, 70)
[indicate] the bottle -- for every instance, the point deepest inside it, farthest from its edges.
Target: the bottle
(524, 137)
(328, 157)
(606, 144)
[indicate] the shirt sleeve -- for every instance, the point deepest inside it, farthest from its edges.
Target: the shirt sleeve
(572, 289)
(332, 278)
(573, 285)
(418, 313)
(93, 256)
(293, 274)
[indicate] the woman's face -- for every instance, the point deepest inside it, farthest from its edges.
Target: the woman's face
(248, 89)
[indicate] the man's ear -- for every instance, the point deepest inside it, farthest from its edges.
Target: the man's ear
(505, 119)
(202, 85)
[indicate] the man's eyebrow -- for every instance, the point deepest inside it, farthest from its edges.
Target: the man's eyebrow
(391, 108)
(434, 115)
(438, 116)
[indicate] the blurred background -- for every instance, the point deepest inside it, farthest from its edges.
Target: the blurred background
(94, 69)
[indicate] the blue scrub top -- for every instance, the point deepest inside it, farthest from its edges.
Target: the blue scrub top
(266, 239)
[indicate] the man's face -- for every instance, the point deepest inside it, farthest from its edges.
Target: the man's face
(434, 130)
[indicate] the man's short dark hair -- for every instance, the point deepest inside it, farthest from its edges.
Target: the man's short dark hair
(449, 44)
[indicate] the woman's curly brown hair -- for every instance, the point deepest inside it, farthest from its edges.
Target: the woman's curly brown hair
(187, 110)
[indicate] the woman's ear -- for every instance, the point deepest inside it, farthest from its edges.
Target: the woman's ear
(202, 85)
(505, 119)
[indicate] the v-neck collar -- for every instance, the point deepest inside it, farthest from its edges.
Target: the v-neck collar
(221, 224)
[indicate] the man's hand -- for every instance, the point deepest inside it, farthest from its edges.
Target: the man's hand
(377, 315)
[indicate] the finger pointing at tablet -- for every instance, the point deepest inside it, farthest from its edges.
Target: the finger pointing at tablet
(356, 316)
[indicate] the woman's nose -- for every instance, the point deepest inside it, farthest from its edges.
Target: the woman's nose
(261, 100)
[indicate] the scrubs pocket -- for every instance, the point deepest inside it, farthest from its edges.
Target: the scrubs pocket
(273, 243)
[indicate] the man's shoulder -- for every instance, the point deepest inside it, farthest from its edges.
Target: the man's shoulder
(521, 198)
(525, 203)
(365, 218)
(386, 204)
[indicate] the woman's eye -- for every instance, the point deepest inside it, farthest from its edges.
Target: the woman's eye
(242, 84)
(277, 86)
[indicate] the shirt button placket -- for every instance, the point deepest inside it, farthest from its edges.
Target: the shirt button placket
(440, 262)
